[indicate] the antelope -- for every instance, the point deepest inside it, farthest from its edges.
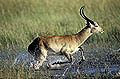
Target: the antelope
(64, 45)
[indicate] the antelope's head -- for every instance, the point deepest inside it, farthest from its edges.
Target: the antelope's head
(95, 28)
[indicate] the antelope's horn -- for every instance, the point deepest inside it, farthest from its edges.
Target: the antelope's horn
(83, 15)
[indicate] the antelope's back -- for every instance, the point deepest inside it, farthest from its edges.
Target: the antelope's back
(54, 42)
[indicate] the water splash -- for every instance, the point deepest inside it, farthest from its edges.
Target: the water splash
(24, 58)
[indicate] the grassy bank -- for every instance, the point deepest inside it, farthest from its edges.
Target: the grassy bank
(23, 20)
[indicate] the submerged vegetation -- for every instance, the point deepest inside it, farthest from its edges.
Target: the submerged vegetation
(23, 20)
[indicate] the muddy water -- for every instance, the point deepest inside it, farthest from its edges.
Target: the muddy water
(102, 61)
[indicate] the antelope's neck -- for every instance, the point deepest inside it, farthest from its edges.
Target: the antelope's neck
(82, 36)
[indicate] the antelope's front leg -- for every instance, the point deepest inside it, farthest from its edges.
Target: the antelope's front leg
(82, 52)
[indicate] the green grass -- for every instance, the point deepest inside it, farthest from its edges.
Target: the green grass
(23, 20)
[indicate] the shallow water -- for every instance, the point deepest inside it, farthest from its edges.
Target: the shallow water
(95, 62)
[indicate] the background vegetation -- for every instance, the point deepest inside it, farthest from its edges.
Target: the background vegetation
(23, 20)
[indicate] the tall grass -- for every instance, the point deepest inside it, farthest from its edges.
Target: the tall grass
(23, 20)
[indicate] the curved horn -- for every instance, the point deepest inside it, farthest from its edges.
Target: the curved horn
(81, 9)
(83, 15)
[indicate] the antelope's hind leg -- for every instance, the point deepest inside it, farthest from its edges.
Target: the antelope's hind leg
(40, 58)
